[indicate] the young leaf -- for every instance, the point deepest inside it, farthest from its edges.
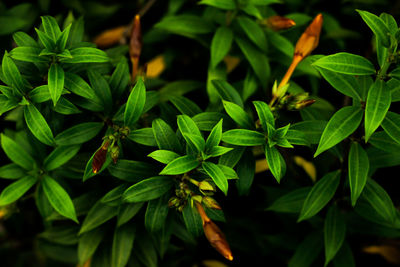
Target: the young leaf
(51, 27)
(275, 162)
(59, 198)
(88, 243)
(216, 151)
(38, 125)
(12, 76)
(253, 31)
(378, 103)
(16, 153)
(243, 137)
(148, 189)
(97, 215)
(86, 55)
(341, 125)
(165, 136)
(60, 156)
(217, 175)
(220, 44)
(11, 171)
(16, 190)
(122, 245)
(346, 63)
(63, 38)
(227, 92)
(156, 214)
(135, 104)
(334, 233)
(377, 25)
(346, 84)
(163, 156)
(215, 136)
(180, 165)
(55, 82)
(27, 54)
(358, 171)
(79, 133)
(319, 196)
(47, 42)
(238, 115)
(391, 125)
(264, 114)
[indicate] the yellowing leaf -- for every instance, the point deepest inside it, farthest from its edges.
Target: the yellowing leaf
(261, 165)
(308, 167)
(231, 63)
(388, 252)
(213, 263)
(155, 66)
(110, 37)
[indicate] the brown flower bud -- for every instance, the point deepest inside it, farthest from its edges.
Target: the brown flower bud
(110, 37)
(100, 157)
(277, 23)
(135, 45)
(304, 103)
(214, 235)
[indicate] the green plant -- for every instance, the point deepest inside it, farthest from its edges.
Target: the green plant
(138, 170)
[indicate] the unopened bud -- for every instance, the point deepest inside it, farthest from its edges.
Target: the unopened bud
(100, 157)
(304, 103)
(211, 203)
(114, 153)
(309, 39)
(278, 23)
(135, 45)
(173, 202)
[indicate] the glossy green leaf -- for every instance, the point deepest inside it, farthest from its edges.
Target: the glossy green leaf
(185, 105)
(163, 156)
(79, 133)
(101, 89)
(217, 175)
(79, 86)
(120, 78)
(180, 165)
(384, 142)
(312, 129)
(51, 27)
(334, 233)
(23, 39)
(238, 115)
(358, 171)
(165, 136)
(215, 136)
(86, 55)
(343, 123)
(38, 125)
(156, 214)
(243, 137)
(135, 104)
(59, 198)
(346, 84)
(253, 31)
(143, 136)
(122, 245)
(391, 125)
(46, 40)
(127, 211)
(63, 38)
(227, 92)
(377, 25)
(321, 193)
(276, 163)
(16, 190)
(65, 107)
(16, 153)
(55, 82)
(28, 54)
(11, 171)
(60, 156)
(11, 73)
(264, 114)
(346, 63)
(378, 103)
(220, 44)
(148, 189)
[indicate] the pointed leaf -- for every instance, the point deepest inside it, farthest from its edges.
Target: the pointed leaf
(275, 162)
(243, 137)
(264, 114)
(135, 104)
(216, 175)
(97, 215)
(358, 171)
(391, 125)
(16, 153)
(180, 165)
(122, 245)
(377, 25)
(38, 125)
(55, 82)
(88, 243)
(253, 31)
(346, 63)
(238, 115)
(334, 233)
(163, 156)
(60, 156)
(16, 190)
(220, 44)
(346, 84)
(165, 136)
(79, 133)
(215, 136)
(156, 214)
(148, 189)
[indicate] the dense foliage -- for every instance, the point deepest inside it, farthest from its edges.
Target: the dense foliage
(136, 149)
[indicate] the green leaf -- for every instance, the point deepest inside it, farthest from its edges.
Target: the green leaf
(97, 215)
(253, 31)
(63, 235)
(227, 92)
(79, 133)
(132, 171)
(46, 40)
(216, 151)
(178, 88)
(188, 128)
(180, 165)
(379, 200)
(217, 175)
(135, 103)
(340, 126)
(60, 156)
(276, 163)
(346, 84)
(11, 171)
(346, 63)
(185, 106)
(156, 214)
(122, 245)
(16, 153)
(16, 190)
(11, 73)
(312, 130)
(291, 202)
(192, 220)
(243, 137)
(222, 4)
(51, 27)
(86, 55)
(101, 89)
(378, 103)
(127, 212)
(40, 94)
(165, 136)
(55, 82)
(148, 189)
(264, 114)
(258, 60)
(79, 86)
(76, 33)
(61, 41)
(358, 171)
(307, 251)
(391, 125)
(114, 195)
(59, 198)
(65, 107)
(321, 193)
(28, 54)
(245, 170)
(186, 25)
(238, 115)
(88, 243)
(344, 257)
(220, 44)
(384, 142)
(23, 39)
(38, 125)
(334, 233)
(144, 136)
(163, 156)
(377, 25)
(215, 136)
(120, 78)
